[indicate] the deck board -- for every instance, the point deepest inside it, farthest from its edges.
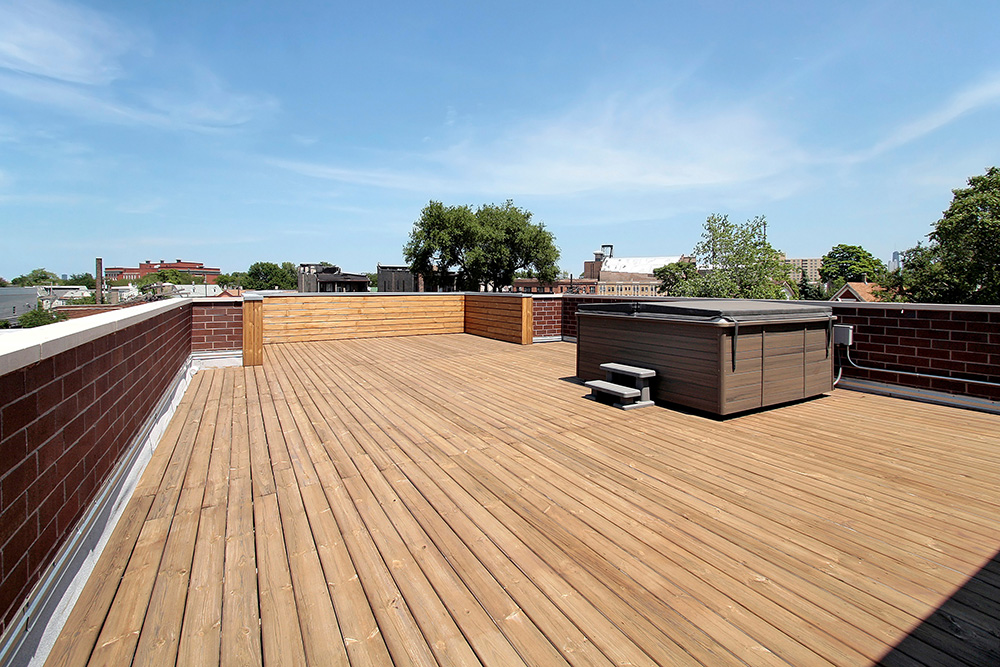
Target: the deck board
(450, 499)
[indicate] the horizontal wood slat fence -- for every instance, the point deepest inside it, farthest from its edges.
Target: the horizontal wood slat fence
(310, 318)
(500, 317)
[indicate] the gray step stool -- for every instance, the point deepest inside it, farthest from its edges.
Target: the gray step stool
(629, 397)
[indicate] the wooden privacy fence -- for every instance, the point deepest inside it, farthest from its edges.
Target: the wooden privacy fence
(297, 318)
(499, 316)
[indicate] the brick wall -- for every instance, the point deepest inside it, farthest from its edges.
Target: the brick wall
(571, 301)
(64, 423)
(956, 342)
(547, 316)
(216, 324)
(76, 312)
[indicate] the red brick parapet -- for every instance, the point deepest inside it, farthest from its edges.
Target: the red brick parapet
(216, 324)
(73, 397)
(950, 341)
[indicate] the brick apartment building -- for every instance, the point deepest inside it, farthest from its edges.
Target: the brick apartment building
(195, 269)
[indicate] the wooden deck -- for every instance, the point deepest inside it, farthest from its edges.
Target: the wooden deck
(452, 500)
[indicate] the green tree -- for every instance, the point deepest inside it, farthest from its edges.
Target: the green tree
(85, 279)
(234, 279)
(3, 283)
(679, 278)
(739, 264)
(172, 276)
(37, 277)
(850, 263)
(920, 278)
(510, 242)
(967, 242)
(485, 247)
(291, 280)
(38, 317)
(810, 291)
(268, 275)
(442, 239)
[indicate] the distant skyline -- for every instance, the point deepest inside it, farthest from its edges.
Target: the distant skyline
(229, 133)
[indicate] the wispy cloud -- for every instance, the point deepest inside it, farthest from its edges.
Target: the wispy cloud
(394, 179)
(64, 57)
(620, 143)
(61, 41)
(983, 94)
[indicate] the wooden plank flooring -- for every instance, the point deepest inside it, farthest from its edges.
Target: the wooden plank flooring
(453, 500)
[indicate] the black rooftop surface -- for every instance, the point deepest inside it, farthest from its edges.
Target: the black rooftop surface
(738, 310)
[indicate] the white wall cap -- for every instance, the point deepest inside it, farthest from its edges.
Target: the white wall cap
(28, 346)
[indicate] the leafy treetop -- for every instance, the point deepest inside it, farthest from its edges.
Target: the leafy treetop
(268, 275)
(811, 291)
(39, 317)
(739, 263)
(962, 262)
(967, 240)
(37, 277)
(234, 279)
(850, 263)
(172, 276)
(85, 279)
(484, 247)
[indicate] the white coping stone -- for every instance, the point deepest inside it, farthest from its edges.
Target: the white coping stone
(28, 346)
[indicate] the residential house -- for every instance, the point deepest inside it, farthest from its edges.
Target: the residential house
(16, 301)
(857, 291)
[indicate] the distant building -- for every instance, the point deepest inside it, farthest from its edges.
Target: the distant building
(560, 286)
(196, 291)
(896, 261)
(810, 266)
(607, 274)
(51, 296)
(16, 301)
(328, 278)
(194, 269)
(399, 278)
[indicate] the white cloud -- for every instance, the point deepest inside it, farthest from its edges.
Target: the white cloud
(61, 41)
(69, 58)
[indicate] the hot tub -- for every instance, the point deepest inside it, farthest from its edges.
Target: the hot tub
(717, 355)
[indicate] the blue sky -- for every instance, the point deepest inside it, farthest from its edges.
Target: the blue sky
(233, 132)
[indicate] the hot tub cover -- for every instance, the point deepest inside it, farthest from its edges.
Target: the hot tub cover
(713, 311)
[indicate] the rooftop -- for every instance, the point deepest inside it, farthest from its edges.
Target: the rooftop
(637, 264)
(449, 499)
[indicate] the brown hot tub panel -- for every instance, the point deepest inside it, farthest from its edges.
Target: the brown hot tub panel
(783, 351)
